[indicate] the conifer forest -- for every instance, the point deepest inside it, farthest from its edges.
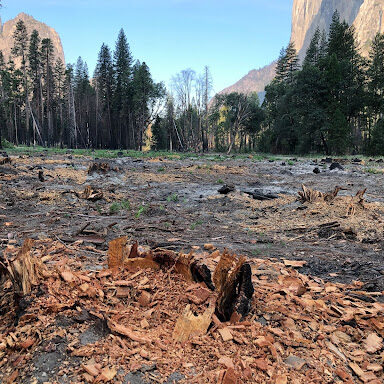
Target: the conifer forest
(330, 103)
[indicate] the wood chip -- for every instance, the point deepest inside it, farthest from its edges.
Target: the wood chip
(373, 343)
(226, 334)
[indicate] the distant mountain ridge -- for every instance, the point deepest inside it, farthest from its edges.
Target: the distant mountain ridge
(8, 28)
(367, 16)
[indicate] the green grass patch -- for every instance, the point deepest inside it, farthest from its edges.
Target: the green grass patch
(118, 206)
(173, 198)
(6, 144)
(196, 224)
(141, 211)
(374, 171)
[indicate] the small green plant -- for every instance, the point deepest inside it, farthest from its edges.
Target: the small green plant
(220, 181)
(290, 162)
(141, 211)
(174, 197)
(116, 207)
(6, 144)
(161, 169)
(195, 224)
(162, 208)
(256, 252)
(374, 171)
(125, 204)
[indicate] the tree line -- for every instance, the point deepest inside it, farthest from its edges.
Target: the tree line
(47, 103)
(331, 102)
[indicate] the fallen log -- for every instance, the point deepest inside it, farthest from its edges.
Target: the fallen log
(262, 196)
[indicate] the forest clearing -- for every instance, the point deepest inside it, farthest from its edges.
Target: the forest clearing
(99, 261)
(188, 196)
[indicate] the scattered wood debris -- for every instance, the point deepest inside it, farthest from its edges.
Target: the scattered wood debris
(40, 176)
(24, 269)
(99, 166)
(90, 194)
(226, 188)
(5, 160)
(298, 330)
(312, 196)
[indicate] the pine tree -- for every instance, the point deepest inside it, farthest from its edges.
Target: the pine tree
(35, 64)
(104, 75)
(375, 139)
(281, 66)
(323, 45)
(287, 64)
(48, 88)
(71, 110)
(83, 94)
(376, 74)
(60, 94)
(20, 50)
(142, 88)
(122, 102)
(313, 52)
(159, 135)
(344, 71)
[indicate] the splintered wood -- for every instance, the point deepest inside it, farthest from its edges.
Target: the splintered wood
(189, 325)
(117, 252)
(24, 269)
(150, 315)
(312, 196)
(90, 194)
(232, 279)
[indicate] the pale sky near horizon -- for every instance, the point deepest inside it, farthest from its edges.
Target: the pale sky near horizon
(231, 37)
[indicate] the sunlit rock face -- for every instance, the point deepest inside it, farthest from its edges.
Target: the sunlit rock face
(368, 22)
(308, 15)
(303, 14)
(7, 30)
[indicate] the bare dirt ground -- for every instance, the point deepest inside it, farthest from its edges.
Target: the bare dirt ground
(175, 204)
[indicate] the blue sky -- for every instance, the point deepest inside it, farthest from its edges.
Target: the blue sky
(231, 37)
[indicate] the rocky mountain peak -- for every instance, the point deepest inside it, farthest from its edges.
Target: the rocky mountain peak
(8, 28)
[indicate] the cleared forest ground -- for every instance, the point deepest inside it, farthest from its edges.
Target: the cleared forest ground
(79, 203)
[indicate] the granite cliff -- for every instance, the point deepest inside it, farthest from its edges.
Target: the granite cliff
(7, 29)
(307, 15)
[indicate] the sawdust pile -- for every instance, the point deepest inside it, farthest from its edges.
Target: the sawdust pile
(321, 215)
